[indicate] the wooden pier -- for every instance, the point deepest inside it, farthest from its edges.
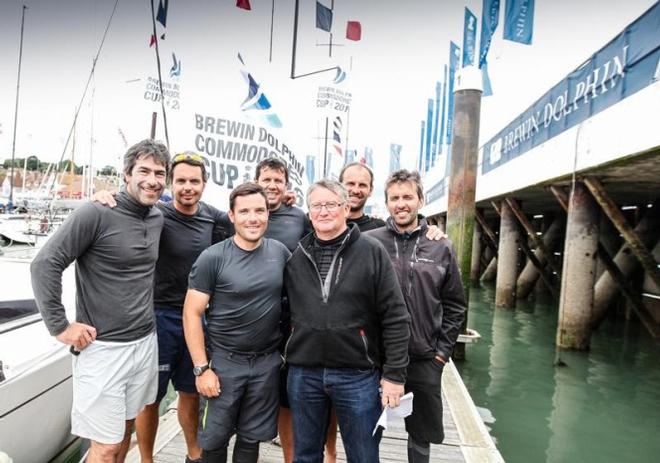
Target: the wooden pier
(466, 437)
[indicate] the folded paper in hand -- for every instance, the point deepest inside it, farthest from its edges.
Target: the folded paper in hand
(404, 409)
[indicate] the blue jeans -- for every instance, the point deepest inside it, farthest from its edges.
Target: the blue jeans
(353, 394)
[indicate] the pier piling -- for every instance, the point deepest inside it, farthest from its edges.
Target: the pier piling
(507, 258)
(579, 269)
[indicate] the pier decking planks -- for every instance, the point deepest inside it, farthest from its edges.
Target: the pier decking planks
(466, 437)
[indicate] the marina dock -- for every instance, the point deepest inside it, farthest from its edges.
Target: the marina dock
(466, 436)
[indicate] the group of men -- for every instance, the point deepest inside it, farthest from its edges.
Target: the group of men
(256, 309)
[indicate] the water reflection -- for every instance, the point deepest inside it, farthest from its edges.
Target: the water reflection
(604, 405)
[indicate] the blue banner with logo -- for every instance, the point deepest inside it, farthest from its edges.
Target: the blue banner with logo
(395, 157)
(436, 117)
(429, 133)
(490, 16)
(519, 21)
(420, 168)
(442, 110)
(454, 57)
(311, 168)
(469, 37)
(627, 64)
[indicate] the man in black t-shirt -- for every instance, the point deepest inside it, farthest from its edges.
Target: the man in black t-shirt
(240, 281)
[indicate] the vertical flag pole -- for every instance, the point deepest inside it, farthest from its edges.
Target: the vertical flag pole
(332, 8)
(295, 40)
(18, 86)
(325, 150)
(272, 16)
(160, 77)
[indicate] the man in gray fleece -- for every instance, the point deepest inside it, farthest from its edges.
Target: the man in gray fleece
(116, 365)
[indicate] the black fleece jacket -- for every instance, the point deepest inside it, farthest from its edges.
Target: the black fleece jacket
(431, 285)
(357, 319)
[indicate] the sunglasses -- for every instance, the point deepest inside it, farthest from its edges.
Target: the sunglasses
(187, 157)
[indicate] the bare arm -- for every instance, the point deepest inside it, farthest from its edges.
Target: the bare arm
(208, 384)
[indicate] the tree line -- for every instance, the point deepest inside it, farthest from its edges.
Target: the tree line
(34, 164)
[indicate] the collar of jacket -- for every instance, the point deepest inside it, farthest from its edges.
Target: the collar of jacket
(421, 228)
(128, 203)
(353, 235)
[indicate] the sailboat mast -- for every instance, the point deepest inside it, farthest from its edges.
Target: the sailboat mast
(18, 86)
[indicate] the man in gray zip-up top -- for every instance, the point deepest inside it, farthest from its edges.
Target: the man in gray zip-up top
(431, 284)
(116, 365)
(349, 331)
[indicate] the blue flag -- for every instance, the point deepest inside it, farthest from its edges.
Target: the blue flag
(488, 90)
(429, 132)
(454, 58)
(469, 37)
(161, 16)
(395, 157)
(311, 168)
(436, 119)
(369, 156)
(490, 16)
(421, 150)
(323, 17)
(442, 110)
(519, 21)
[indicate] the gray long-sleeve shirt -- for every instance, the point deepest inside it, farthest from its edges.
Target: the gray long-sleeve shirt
(115, 252)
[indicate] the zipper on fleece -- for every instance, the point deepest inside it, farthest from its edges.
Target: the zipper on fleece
(363, 336)
(286, 346)
(325, 287)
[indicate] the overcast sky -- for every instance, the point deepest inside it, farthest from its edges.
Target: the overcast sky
(394, 68)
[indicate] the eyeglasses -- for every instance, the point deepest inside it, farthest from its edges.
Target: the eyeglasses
(330, 206)
(181, 157)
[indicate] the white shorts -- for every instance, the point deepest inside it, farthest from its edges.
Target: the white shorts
(112, 382)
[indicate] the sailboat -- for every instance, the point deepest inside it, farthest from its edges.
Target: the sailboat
(35, 368)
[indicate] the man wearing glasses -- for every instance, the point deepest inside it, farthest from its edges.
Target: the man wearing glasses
(190, 226)
(349, 331)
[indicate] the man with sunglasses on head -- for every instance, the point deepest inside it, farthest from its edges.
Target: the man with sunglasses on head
(190, 226)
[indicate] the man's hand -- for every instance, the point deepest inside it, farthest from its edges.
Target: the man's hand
(434, 233)
(105, 197)
(208, 384)
(391, 395)
(289, 198)
(77, 335)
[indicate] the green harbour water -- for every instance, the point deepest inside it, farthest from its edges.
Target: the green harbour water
(602, 406)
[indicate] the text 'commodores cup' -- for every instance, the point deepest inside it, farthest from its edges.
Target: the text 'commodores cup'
(241, 150)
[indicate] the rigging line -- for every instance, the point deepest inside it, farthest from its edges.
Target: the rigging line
(89, 79)
(160, 77)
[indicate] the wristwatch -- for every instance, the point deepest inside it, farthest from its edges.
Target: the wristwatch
(198, 370)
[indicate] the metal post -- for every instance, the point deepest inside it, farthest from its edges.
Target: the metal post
(463, 174)
(154, 117)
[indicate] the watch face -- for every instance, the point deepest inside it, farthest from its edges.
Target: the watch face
(199, 370)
